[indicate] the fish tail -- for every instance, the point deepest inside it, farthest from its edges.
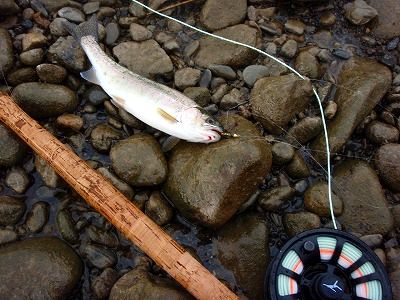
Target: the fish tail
(89, 28)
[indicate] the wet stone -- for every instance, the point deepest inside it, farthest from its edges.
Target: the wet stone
(200, 95)
(37, 217)
(102, 284)
(304, 130)
(12, 149)
(32, 57)
(372, 240)
(282, 153)
(307, 64)
(381, 133)
(122, 186)
(47, 173)
(241, 246)
(22, 75)
(11, 210)
(299, 222)
(96, 95)
(139, 160)
(254, 72)
(33, 40)
(298, 167)
(99, 256)
(70, 121)
(273, 199)
(112, 33)
(386, 161)
(51, 73)
(327, 19)
(232, 99)
(359, 187)
(316, 200)
(330, 110)
(289, 49)
(130, 120)
(295, 26)
(18, 180)
(68, 53)
(6, 51)
(223, 71)
(91, 7)
(8, 7)
(206, 78)
(139, 33)
(213, 51)
(103, 237)
(145, 58)
(57, 28)
(359, 12)
(42, 267)
(71, 14)
(341, 53)
(158, 209)
(218, 14)
(7, 236)
(140, 284)
(66, 227)
(276, 100)
(103, 136)
(186, 77)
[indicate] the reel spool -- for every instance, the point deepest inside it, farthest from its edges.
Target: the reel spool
(326, 264)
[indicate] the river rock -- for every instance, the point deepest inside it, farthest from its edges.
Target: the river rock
(362, 84)
(47, 173)
(6, 51)
(213, 51)
(366, 210)
(18, 180)
(145, 58)
(51, 73)
(242, 248)
(276, 100)
(99, 256)
(139, 33)
(282, 153)
(201, 95)
(139, 160)
(298, 222)
(68, 53)
(32, 57)
(186, 77)
(289, 49)
(7, 236)
(386, 161)
(254, 72)
(33, 97)
(316, 200)
(381, 133)
(158, 209)
(37, 217)
(298, 168)
(139, 284)
(57, 27)
(208, 183)
(273, 199)
(218, 14)
(33, 40)
(54, 5)
(304, 130)
(359, 12)
(123, 187)
(103, 237)
(66, 226)
(103, 136)
(8, 7)
(12, 149)
(307, 64)
(71, 14)
(11, 210)
(387, 23)
(22, 75)
(38, 268)
(102, 284)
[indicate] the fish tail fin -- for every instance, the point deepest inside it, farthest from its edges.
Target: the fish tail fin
(88, 28)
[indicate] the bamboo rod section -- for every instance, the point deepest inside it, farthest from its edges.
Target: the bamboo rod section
(107, 200)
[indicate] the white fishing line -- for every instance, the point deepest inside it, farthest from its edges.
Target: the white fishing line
(328, 159)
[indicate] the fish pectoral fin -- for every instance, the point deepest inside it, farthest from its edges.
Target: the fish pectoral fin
(90, 75)
(166, 115)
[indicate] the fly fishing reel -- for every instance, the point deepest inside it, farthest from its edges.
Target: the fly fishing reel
(326, 264)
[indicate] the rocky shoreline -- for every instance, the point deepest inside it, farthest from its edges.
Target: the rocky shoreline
(234, 203)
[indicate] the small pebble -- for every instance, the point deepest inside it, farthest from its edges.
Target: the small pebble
(343, 54)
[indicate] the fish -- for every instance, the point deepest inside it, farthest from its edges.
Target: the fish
(155, 104)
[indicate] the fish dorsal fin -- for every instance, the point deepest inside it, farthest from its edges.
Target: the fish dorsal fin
(90, 75)
(166, 115)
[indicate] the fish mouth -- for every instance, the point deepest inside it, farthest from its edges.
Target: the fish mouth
(220, 132)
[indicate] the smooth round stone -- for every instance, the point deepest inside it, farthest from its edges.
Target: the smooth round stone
(57, 28)
(11, 210)
(200, 95)
(299, 222)
(102, 284)
(223, 71)
(91, 7)
(7, 236)
(18, 180)
(70, 121)
(382, 133)
(289, 49)
(66, 227)
(282, 153)
(186, 77)
(103, 136)
(51, 73)
(273, 199)
(316, 200)
(37, 217)
(12, 149)
(32, 57)
(139, 33)
(21, 76)
(96, 95)
(103, 237)
(72, 14)
(158, 209)
(112, 33)
(386, 161)
(298, 167)
(254, 72)
(99, 256)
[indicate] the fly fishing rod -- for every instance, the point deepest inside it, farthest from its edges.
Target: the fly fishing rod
(114, 206)
(322, 263)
